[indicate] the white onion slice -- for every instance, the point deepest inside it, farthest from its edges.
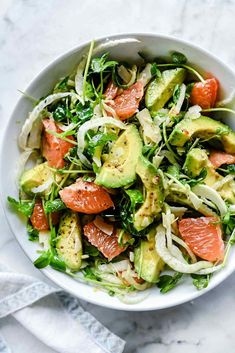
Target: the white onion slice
(79, 78)
(145, 75)
(113, 267)
(134, 297)
(43, 186)
(93, 124)
(219, 184)
(103, 226)
(212, 195)
(151, 132)
(207, 271)
(127, 75)
(194, 112)
(44, 239)
(109, 109)
(185, 246)
(130, 277)
(22, 162)
(34, 139)
(157, 160)
(196, 202)
(176, 108)
(176, 253)
(34, 115)
(178, 211)
(97, 111)
(131, 256)
(112, 279)
(83, 159)
(232, 209)
(71, 126)
(171, 261)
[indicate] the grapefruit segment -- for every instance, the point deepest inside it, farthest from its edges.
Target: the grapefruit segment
(126, 104)
(38, 217)
(86, 197)
(218, 158)
(203, 236)
(53, 148)
(204, 94)
(106, 244)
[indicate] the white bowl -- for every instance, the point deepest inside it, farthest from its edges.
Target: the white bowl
(155, 45)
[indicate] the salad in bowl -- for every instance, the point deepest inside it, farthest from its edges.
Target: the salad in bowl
(132, 183)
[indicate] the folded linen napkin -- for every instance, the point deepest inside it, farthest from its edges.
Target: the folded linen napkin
(53, 316)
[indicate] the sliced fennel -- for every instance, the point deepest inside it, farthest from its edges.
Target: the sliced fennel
(212, 195)
(35, 114)
(94, 124)
(173, 262)
(177, 107)
(150, 131)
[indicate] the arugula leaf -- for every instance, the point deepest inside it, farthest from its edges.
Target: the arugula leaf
(125, 211)
(166, 282)
(43, 260)
(200, 178)
(89, 91)
(99, 65)
(201, 281)
(231, 168)
(155, 70)
(189, 89)
(32, 232)
(89, 274)
(99, 139)
(176, 93)
(61, 113)
(228, 224)
(50, 258)
(136, 197)
(24, 207)
(62, 86)
(174, 171)
(83, 113)
(90, 250)
(54, 206)
(57, 263)
(178, 58)
(222, 131)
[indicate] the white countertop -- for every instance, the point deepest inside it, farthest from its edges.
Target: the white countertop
(34, 32)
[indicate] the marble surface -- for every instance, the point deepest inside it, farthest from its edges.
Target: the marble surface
(34, 32)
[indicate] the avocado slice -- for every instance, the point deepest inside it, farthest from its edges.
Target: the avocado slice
(203, 127)
(161, 89)
(69, 243)
(35, 177)
(147, 262)
(154, 194)
(119, 168)
(196, 160)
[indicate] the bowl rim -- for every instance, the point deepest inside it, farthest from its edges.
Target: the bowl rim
(47, 272)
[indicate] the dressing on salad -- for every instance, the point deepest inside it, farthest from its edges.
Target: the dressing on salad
(133, 184)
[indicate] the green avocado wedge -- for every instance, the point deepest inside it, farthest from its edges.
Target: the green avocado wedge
(197, 160)
(161, 89)
(120, 167)
(205, 128)
(35, 177)
(154, 194)
(147, 262)
(69, 243)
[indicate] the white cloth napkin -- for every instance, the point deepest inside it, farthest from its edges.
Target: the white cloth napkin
(53, 316)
